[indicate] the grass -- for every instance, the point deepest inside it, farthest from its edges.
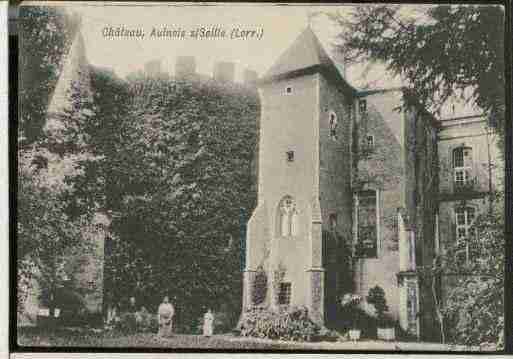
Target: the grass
(37, 337)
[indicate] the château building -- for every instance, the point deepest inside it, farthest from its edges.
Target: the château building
(354, 193)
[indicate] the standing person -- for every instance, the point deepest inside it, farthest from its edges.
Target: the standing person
(208, 323)
(132, 311)
(166, 313)
(132, 308)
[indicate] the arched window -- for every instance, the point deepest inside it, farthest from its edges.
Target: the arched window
(462, 165)
(288, 217)
(333, 125)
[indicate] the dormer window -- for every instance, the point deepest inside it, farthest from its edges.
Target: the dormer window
(288, 90)
(333, 125)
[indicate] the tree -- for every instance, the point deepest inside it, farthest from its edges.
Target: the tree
(53, 146)
(444, 51)
(45, 34)
(475, 304)
(45, 232)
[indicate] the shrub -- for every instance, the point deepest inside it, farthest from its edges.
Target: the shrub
(377, 298)
(284, 324)
(127, 323)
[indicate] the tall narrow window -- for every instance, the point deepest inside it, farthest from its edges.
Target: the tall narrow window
(464, 231)
(362, 106)
(333, 125)
(367, 224)
(285, 293)
(462, 165)
(288, 217)
(333, 222)
(464, 219)
(370, 141)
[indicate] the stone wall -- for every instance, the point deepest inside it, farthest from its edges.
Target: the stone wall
(289, 122)
(381, 168)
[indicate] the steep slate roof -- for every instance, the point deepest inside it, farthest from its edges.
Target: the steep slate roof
(305, 55)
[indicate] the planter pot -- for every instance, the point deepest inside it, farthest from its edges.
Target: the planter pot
(354, 334)
(386, 334)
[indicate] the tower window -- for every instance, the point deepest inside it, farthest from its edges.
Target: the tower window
(370, 141)
(285, 293)
(362, 106)
(288, 90)
(462, 165)
(333, 125)
(367, 224)
(290, 156)
(333, 221)
(288, 217)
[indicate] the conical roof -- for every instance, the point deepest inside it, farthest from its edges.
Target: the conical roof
(305, 55)
(304, 52)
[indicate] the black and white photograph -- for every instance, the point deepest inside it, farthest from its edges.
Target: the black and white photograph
(258, 176)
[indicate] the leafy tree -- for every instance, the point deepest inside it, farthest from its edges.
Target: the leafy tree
(475, 304)
(52, 148)
(441, 52)
(45, 34)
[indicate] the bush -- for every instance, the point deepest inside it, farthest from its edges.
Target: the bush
(283, 324)
(127, 323)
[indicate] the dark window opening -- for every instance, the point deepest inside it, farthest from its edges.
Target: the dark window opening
(284, 294)
(370, 141)
(362, 106)
(333, 221)
(288, 90)
(290, 156)
(367, 243)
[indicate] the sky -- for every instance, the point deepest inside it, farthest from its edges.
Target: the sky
(281, 25)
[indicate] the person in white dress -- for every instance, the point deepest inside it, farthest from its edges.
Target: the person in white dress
(166, 313)
(208, 323)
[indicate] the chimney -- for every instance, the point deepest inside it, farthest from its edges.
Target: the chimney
(224, 71)
(153, 68)
(185, 66)
(250, 77)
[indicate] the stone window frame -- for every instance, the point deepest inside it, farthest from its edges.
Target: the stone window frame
(465, 169)
(378, 220)
(285, 293)
(287, 218)
(288, 90)
(333, 221)
(333, 124)
(362, 106)
(290, 155)
(466, 227)
(370, 144)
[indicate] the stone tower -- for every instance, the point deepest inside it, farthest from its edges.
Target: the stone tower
(304, 182)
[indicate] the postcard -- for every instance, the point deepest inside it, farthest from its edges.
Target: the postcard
(267, 177)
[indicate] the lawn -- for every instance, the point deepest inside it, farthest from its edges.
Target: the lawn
(69, 338)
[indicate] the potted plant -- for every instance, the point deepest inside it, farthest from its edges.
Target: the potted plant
(350, 303)
(386, 329)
